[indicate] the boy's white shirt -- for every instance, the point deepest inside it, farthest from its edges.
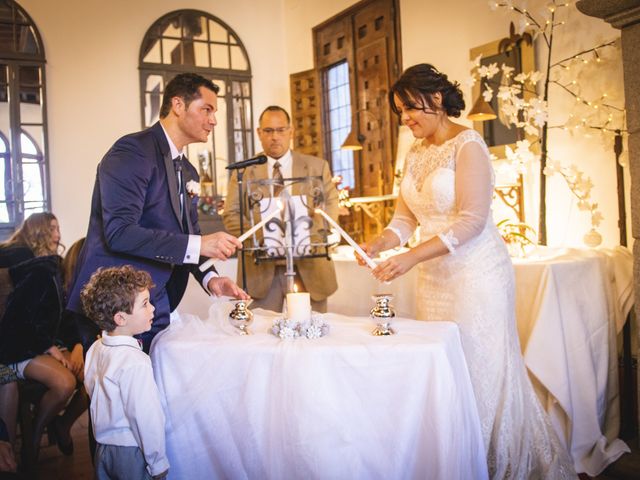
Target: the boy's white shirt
(125, 402)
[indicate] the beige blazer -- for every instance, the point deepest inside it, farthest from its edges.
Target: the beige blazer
(318, 274)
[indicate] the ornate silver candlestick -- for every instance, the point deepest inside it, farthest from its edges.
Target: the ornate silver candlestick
(382, 314)
(241, 317)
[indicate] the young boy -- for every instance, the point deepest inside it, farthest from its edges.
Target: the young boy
(127, 417)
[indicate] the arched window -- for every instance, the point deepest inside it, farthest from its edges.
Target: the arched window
(24, 177)
(195, 41)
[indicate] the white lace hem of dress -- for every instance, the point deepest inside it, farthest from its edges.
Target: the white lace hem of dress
(450, 241)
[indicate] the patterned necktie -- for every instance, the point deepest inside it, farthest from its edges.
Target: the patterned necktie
(278, 181)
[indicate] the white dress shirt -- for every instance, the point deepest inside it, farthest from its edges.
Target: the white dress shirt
(125, 403)
(192, 255)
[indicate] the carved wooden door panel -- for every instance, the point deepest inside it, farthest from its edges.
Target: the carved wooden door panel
(305, 112)
(376, 166)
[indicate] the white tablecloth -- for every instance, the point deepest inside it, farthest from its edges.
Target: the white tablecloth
(570, 304)
(349, 405)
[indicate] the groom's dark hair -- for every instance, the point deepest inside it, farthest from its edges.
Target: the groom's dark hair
(185, 86)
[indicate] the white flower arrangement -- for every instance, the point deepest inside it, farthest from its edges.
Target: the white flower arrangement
(580, 185)
(522, 98)
(193, 188)
(316, 327)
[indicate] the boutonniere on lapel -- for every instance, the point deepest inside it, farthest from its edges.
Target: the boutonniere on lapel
(193, 188)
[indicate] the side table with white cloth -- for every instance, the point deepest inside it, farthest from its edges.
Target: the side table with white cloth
(348, 405)
(570, 306)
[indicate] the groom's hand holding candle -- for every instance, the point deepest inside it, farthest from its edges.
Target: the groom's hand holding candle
(219, 245)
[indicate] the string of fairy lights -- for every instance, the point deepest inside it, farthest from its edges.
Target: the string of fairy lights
(591, 112)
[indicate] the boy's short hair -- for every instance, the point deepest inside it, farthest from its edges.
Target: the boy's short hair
(112, 290)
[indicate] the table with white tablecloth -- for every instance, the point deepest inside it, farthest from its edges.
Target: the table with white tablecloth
(570, 306)
(346, 406)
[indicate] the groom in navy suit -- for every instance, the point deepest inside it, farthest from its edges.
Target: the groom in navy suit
(142, 214)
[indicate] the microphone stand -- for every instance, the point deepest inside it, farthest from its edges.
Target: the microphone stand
(241, 199)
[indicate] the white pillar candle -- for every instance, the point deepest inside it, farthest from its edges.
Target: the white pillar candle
(299, 306)
(248, 233)
(349, 240)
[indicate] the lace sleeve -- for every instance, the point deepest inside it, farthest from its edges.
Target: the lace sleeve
(474, 191)
(403, 223)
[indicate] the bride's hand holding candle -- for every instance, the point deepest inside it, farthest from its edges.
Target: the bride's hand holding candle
(395, 266)
(348, 239)
(369, 249)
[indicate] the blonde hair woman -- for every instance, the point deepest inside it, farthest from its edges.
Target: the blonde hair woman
(31, 325)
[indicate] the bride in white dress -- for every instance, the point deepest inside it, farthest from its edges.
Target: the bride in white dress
(465, 273)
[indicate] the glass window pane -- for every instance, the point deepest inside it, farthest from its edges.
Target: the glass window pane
(30, 98)
(246, 89)
(27, 40)
(4, 213)
(33, 207)
(4, 166)
(238, 60)
(32, 140)
(154, 83)
(239, 145)
(27, 146)
(6, 38)
(172, 29)
(199, 29)
(32, 185)
(201, 54)
(219, 56)
(223, 90)
(217, 32)
(153, 99)
(168, 47)
(153, 52)
(236, 89)
(6, 13)
(30, 104)
(3, 146)
(30, 75)
(221, 149)
(4, 86)
(340, 121)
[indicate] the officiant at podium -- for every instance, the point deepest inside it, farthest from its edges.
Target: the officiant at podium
(266, 281)
(142, 212)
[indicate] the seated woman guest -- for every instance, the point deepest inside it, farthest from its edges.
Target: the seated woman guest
(30, 328)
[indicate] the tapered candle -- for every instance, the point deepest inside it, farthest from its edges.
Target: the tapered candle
(248, 233)
(349, 240)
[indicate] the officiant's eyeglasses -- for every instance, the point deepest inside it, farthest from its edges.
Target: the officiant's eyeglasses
(271, 131)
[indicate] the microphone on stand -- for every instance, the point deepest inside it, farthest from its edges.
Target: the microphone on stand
(259, 160)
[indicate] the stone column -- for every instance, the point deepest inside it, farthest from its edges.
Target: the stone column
(625, 15)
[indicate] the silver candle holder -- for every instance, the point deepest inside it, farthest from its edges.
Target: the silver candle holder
(241, 317)
(383, 314)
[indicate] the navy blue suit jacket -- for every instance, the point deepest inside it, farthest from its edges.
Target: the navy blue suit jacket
(135, 220)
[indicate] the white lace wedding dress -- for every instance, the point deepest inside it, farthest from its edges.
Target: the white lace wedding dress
(447, 191)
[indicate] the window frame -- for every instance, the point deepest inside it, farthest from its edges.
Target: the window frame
(228, 76)
(14, 61)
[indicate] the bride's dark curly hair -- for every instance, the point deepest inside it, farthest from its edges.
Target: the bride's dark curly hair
(417, 85)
